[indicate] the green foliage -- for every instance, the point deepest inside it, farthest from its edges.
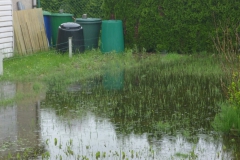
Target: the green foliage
(182, 155)
(178, 25)
(183, 26)
(97, 155)
(162, 126)
(228, 120)
(234, 92)
(90, 7)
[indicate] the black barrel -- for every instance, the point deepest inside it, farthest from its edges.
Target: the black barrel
(73, 30)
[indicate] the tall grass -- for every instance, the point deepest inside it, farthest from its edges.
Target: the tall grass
(227, 42)
(228, 120)
(160, 94)
(153, 95)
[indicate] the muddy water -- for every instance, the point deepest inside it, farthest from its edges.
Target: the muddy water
(141, 114)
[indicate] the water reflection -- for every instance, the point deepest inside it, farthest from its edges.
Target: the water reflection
(7, 90)
(18, 128)
(90, 134)
(19, 123)
(113, 79)
(152, 115)
(8, 124)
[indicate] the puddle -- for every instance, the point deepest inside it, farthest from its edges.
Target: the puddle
(7, 90)
(89, 134)
(139, 114)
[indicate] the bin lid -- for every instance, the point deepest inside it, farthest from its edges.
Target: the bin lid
(89, 20)
(46, 13)
(70, 25)
(61, 14)
(112, 21)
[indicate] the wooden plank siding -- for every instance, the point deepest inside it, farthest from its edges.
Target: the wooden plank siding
(6, 28)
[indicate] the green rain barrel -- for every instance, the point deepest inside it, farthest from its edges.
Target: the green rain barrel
(56, 20)
(112, 36)
(91, 31)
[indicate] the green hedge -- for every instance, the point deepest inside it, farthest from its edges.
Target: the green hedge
(183, 26)
(76, 7)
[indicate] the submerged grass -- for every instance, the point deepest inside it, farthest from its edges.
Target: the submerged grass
(162, 95)
(44, 68)
(157, 94)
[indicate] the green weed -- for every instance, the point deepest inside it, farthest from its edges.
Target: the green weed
(228, 120)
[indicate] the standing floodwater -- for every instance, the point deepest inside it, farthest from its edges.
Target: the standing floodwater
(151, 112)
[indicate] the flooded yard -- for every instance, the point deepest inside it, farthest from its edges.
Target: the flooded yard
(156, 111)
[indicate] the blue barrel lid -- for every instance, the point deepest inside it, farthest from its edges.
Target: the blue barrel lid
(70, 25)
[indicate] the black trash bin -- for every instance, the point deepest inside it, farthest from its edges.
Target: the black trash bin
(73, 30)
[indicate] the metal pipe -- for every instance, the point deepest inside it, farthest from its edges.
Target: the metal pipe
(70, 46)
(20, 6)
(34, 3)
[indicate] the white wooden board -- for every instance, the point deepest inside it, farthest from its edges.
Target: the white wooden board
(6, 50)
(6, 18)
(6, 40)
(5, 13)
(5, 7)
(6, 45)
(5, 2)
(6, 29)
(6, 34)
(7, 23)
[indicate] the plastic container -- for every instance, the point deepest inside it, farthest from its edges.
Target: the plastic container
(91, 31)
(47, 24)
(56, 20)
(112, 39)
(73, 30)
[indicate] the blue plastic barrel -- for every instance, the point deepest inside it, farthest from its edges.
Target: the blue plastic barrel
(47, 23)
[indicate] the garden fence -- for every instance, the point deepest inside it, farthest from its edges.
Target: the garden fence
(76, 7)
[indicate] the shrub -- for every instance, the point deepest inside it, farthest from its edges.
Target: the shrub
(228, 120)
(175, 25)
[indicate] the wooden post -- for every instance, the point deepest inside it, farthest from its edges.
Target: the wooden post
(70, 46)
(1, 63)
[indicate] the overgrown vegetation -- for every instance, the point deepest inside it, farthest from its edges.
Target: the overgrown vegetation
(228, 119)
(176, 85)
(160, 25)
(179, 26)
(44, 68)
(76, 7)
(166, 95)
